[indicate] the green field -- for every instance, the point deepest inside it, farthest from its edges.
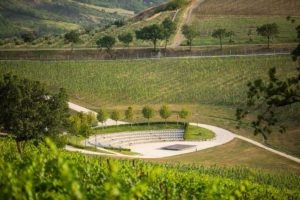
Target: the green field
(47, 172)
(240, 25)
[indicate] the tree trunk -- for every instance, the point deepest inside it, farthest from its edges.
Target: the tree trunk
(268, 42)
(154, 43)
(166, 43)
(19, 147)
(221, 44)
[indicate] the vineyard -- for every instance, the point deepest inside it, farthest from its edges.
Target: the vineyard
(213, 81)
(47, 172)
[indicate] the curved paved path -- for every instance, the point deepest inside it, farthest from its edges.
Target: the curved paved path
(222, 136)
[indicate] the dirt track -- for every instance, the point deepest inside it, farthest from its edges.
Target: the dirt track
(186, 19)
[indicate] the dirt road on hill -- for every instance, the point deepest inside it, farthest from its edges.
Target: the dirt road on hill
(186, 19)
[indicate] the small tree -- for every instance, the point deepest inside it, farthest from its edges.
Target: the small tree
(169, 28)
(153, 33)
(189, 33)
(72, 37)
(148, 113)
(126, 38)
(129, 114)
(268, 31)
(106, 42)
(230, 34)
(92, 119)
(165, 112)
(102, 116)
(220, 34)
(116, 116)
(250, 35)
(184, 114)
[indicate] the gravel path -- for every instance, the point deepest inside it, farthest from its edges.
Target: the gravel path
(153, 150)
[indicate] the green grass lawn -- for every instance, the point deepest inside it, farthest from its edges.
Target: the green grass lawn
(198, 133)
(137, 127)
(240, 25)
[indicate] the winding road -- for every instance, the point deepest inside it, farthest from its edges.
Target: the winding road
(222, 136)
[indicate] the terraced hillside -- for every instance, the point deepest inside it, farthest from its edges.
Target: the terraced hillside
(242, 17)
(54, 17)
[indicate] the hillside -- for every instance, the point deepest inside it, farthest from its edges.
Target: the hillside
(242, 17)
(55, 17)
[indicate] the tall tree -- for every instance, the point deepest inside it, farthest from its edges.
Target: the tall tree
(189, 33)
(268, 31)
(115, 115)
(29, 112)
(102, 116)
(265, 98)
(184, 114)
(148, 113)
(220, 34)
(165, 112)
(129, 114)
(169, 28)
(106, 42)
(152, 32)
(125, 38)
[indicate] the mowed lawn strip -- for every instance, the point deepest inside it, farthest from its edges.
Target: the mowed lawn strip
(198, 133)
(136, 127)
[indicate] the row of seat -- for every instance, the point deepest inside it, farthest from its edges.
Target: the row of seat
(126, 139)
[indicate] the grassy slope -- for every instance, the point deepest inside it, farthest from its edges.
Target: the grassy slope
(46, 17)
(240, 16)
(236, 153)
(211, 88)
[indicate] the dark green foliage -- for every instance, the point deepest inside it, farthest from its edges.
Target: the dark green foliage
(266, 97)
(126, 38)
(169, 28)
(189, 33)
(28, 111)
(119, 23)
(230, 34)
(72, 37)
(28, 37)
(106, 42)
(152, 32)
(220, 34)
(176, 4)
(268, 31)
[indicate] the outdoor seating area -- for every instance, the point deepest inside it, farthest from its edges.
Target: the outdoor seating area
(126, 139)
